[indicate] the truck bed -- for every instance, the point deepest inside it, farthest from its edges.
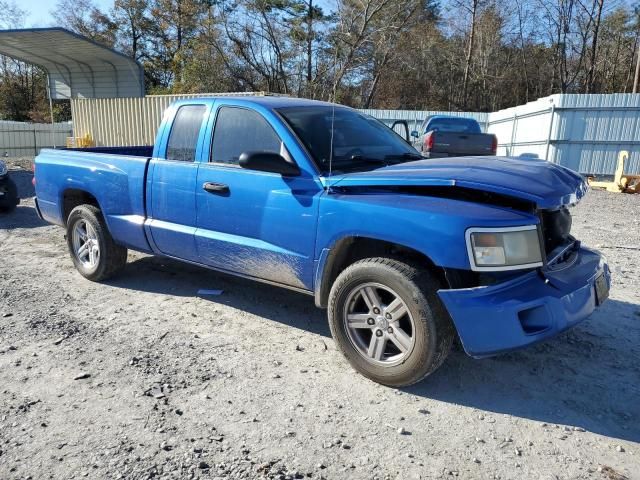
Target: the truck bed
(114, 176)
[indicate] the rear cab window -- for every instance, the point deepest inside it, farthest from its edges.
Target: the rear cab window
(238, 130)
(183, 139)
(454, 125)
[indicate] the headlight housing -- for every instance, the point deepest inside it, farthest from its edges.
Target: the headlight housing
(3, 169)
(499, 249)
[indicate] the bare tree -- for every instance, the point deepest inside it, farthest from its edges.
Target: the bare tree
(599, 4)
(253, 46)
(134, 24)
(636, 77)
(472, 7)
(367, 26)
(523, 51)
(85, 18)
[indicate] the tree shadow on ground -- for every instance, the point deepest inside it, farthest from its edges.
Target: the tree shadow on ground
(575, 379)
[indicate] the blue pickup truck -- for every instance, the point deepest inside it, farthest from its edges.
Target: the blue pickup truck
(406, 253)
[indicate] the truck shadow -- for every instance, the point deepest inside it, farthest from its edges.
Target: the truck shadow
(170, 277)
(575, 379)
(24, 216)
(588, 378)
(23, 178)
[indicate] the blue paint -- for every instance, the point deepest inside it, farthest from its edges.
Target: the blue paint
(493, 319)
(536, 180)
(284, 229)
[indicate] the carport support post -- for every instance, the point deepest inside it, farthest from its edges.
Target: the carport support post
(546, 154)
(53, 125)
(514, 126)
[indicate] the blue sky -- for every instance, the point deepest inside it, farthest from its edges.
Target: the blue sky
(39, 11)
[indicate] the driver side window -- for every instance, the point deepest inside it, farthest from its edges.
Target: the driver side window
(239, 130)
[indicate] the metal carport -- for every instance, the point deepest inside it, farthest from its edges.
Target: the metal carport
(77, 67)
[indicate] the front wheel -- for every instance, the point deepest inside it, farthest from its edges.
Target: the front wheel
(388, 321)
(94, 253)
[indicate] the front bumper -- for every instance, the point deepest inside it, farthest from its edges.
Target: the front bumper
(527, 309)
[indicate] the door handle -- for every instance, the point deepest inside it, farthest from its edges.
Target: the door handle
(213, 187)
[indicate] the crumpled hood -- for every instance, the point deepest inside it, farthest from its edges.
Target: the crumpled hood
(544, 183)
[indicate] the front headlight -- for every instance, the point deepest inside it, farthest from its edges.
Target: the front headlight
(496, 249)
(3, 168)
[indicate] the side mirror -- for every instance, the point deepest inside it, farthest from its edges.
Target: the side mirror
(268, 162)
(415, 134)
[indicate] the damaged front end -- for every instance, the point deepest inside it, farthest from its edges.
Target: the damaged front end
(495, 312)
(525, 278)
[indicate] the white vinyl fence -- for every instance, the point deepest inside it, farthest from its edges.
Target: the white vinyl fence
(415, 117)
(21, 139)
(582, 132)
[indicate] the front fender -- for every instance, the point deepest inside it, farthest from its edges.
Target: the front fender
(433, 226)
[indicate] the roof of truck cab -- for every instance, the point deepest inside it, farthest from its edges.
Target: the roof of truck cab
(450, 117)
(265, 101)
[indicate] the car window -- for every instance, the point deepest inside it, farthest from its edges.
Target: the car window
(454, 125)
(239, 130)
(341, 139)
(183, 138)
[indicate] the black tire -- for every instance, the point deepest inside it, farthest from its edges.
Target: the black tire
(10, 200)
(112, 257)
(433, 331)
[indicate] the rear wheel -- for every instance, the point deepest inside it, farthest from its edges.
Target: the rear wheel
(388, 321)
(94, 253)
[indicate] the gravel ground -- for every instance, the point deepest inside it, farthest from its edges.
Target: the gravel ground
(141, 378)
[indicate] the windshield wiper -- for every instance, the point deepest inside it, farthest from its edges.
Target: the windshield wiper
(404, 156)
(359, 161)
(363, 159)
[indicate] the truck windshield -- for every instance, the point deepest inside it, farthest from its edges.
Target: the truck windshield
(360, 142)
(453, 125)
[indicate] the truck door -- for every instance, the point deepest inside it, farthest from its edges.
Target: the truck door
(171, 185)
(253, 223)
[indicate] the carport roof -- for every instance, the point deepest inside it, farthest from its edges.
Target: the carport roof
(77, 66)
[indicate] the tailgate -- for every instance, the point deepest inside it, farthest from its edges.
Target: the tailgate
(463, 144)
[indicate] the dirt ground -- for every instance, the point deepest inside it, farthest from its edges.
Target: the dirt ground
(140, 377)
